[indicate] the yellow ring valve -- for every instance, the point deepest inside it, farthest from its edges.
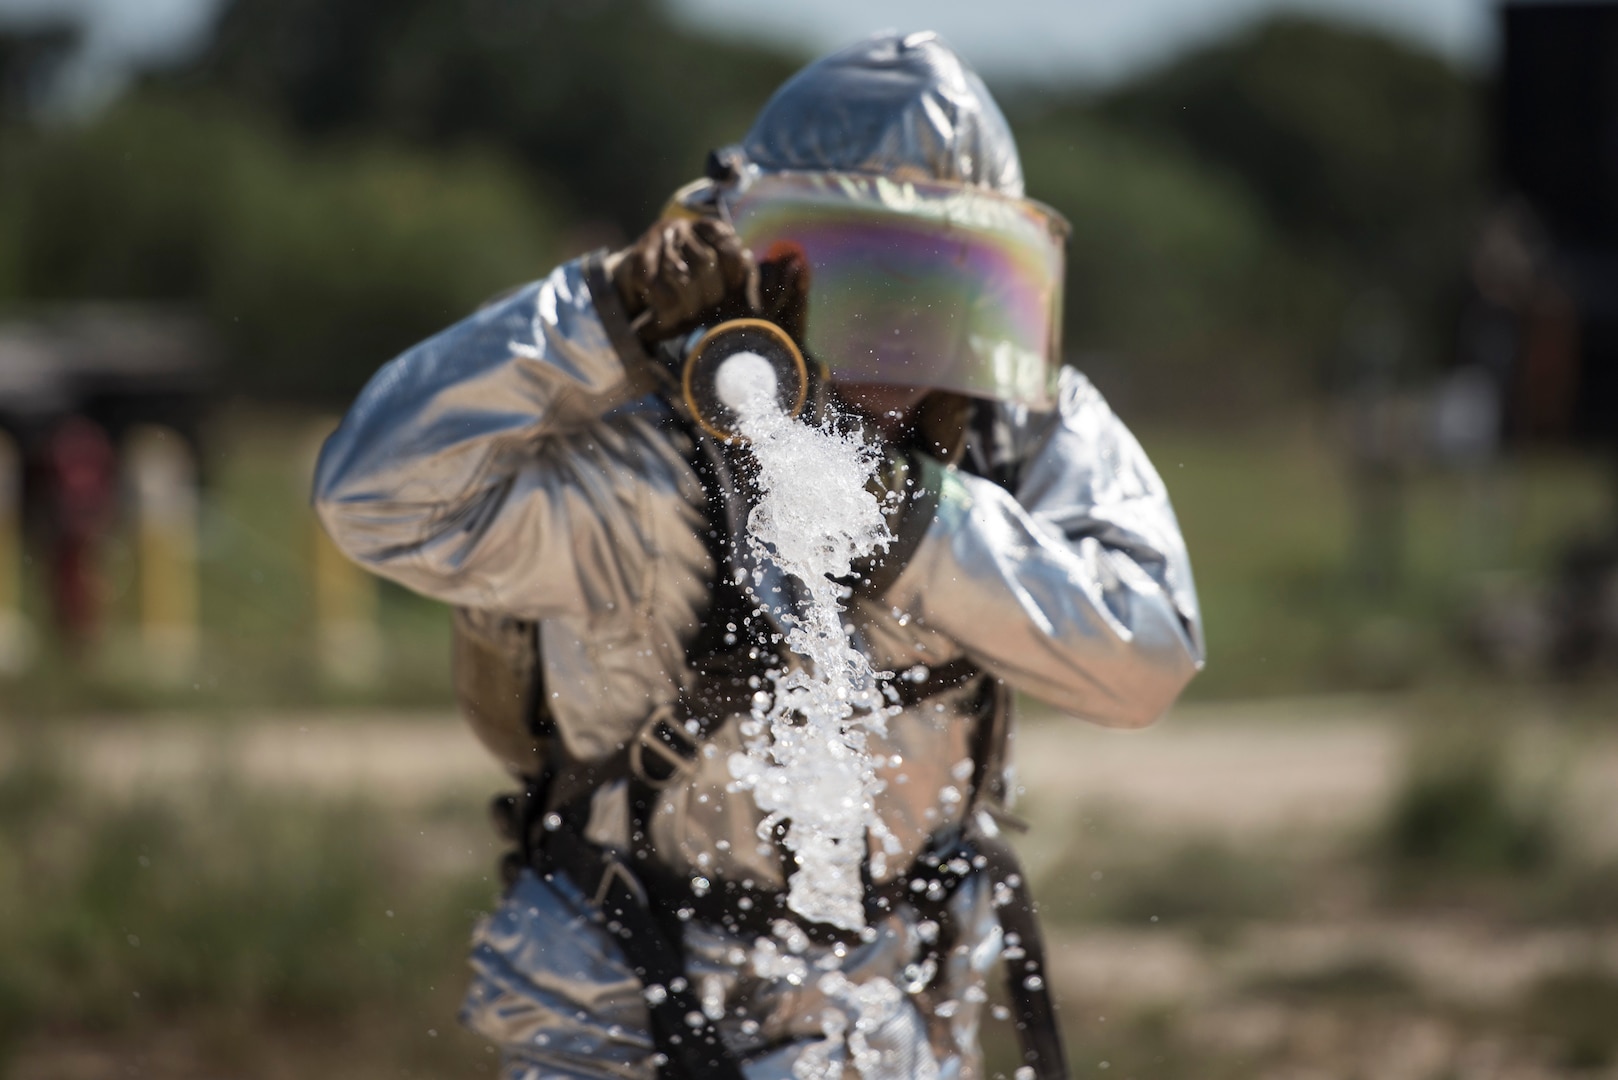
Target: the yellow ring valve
(762, 338)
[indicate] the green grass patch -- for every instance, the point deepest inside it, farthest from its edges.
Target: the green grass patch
(223, 910)
(1364, 981)
(1269, 516)
(1459, 810)
(1201, 884)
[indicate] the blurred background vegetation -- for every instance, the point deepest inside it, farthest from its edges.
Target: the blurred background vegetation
(325, 182)
(1224, 205)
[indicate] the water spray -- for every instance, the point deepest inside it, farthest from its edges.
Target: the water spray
(806, 763)
(708, 361)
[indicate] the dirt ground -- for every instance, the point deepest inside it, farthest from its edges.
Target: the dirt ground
(1239, 770)
(1342, 983)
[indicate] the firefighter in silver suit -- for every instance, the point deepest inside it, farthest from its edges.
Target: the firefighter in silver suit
(536, 467)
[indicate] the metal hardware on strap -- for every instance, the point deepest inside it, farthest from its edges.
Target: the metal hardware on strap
(671, 744)
(614, 873)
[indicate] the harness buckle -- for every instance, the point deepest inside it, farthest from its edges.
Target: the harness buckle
(616, 871)
(673, 750)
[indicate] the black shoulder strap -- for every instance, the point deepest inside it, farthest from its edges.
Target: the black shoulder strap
(1038, 1033)
(684, 1034)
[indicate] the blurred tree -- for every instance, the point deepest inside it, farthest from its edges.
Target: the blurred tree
(1158, 246)
(611, 99)
(1366, 150)
(1180, 291)
(333, 179)
(315, 263)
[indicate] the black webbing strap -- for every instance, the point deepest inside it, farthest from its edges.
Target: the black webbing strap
(1027, 978)
(1027, 974)
(684, 1034)
(668, 744)
(934, 880)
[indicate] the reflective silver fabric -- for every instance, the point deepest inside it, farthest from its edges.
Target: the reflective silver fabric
(505, 464)
(552, 989)
(904, 106)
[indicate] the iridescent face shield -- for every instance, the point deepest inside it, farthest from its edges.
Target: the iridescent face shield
(916, 284)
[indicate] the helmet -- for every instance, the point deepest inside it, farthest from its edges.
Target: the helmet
(905, 107)
(888, 172)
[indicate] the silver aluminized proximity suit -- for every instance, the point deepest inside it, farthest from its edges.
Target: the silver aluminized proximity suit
(512, 467)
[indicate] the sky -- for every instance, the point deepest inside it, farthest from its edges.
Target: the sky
(1085, 41)
(1092, 41)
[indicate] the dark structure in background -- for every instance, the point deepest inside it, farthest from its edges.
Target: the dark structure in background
(1540, 326)
(118, 365)
(1557, 152)
(72, 384)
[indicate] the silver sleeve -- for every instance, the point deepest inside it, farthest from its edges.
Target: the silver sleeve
(463, 469)
(1077, 589)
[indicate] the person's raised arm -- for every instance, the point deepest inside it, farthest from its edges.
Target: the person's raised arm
(502, 463)
(1075, 589)
(459, 470)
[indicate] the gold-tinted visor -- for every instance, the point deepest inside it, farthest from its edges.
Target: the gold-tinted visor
(912, 284)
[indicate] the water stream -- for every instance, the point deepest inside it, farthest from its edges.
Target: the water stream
(807, 763)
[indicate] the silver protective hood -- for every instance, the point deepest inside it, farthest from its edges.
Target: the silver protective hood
(902, 106)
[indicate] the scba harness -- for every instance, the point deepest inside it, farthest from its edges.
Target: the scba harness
(499, 681)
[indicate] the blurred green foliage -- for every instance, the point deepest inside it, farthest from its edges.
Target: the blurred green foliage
(1368, 153)
(1362, 981)
(314, 262)
(330, 180)
(1203, 884)
(1180, 288)
(225, 910)
(1460, 809)
(614, 100)
(1269, 520)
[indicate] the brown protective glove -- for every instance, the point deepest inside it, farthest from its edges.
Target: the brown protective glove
(681, 274)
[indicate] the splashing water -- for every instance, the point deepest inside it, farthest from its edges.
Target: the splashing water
(813, 519)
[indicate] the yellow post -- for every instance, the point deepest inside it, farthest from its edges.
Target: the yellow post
(16, 637)
(347, 634)
(164, 480)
